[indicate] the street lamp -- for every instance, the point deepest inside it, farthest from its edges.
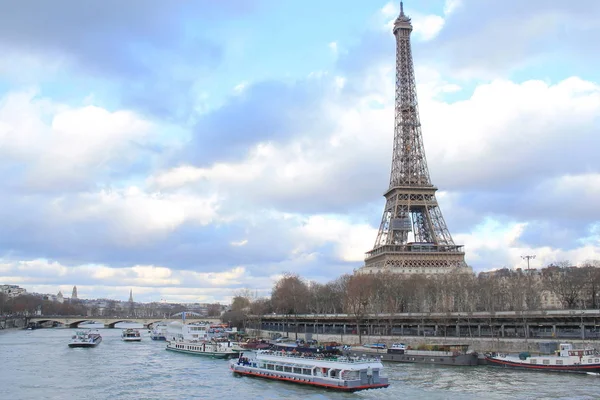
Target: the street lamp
(529, 295)
(528, 258)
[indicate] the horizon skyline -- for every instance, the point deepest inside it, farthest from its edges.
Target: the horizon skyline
(187, 152)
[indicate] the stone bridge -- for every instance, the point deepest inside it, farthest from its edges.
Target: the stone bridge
(74, 321)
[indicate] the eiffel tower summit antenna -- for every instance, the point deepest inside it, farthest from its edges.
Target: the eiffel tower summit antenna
(413, 237)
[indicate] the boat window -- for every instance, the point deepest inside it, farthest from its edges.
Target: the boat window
(546, 362)
(533, 361)
(590, 360)
(559, 362)
(597, 360)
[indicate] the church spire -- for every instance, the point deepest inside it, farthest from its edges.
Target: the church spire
(131, 295)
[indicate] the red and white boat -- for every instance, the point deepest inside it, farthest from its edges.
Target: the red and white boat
(338, 373)
(566, 359)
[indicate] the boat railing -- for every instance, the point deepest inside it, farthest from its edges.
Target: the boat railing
(319, 357)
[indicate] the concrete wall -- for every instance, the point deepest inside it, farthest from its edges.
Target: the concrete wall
(480, 345)
(12, 323)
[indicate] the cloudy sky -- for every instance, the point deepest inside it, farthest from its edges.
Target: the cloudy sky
(190, 149)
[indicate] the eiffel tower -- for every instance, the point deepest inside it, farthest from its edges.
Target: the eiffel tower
(413, 237)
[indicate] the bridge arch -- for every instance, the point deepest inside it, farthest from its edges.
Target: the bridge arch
(113, 323)
(45, 321)
(75, 324)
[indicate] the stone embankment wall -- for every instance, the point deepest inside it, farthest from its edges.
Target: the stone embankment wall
(480, 345)
(12, 322)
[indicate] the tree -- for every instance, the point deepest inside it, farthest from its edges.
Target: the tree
(290, 296)
(592, 277)
(239, 303)
(566, 282)
(214, 310)
(359, 290)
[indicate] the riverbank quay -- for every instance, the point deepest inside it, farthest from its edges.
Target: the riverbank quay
(13, 322)
(531, 324)
(480, 345)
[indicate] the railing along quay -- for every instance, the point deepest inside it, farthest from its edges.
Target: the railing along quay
(582, 324)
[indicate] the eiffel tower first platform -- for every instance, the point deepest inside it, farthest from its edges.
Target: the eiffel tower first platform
(413, 237)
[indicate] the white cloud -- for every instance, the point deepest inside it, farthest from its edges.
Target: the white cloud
(135, 216)
(333, 46)
(147, 281)
(451, 5)
(351, 240)
(61, 145)
(427, 27)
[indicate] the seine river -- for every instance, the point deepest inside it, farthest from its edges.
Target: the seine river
(39, 364)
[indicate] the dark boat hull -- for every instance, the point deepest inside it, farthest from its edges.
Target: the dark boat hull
(470, 359)
(92, 344)
(576, 369)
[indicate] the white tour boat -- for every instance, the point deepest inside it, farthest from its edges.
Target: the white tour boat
(567, 359)
(131, 335)
(207, 348)
(85, 338)
(349, 374)
(159, 331)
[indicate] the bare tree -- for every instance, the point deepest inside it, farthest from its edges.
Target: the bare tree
(566, 282)
(290, 296)
(358, 294)
(592, 277)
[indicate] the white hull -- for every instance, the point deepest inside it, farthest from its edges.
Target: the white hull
(131, 339)
(207, 349)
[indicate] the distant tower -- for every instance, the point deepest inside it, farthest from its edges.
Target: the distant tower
(411, 207)
(74, 295)
(131, 295)
(59, 297)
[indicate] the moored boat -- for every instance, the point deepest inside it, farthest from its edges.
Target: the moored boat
(566, 359)
(341, 373)
(255, 344)
(159, 332)
(441, 354)
(85, 338)
(205, 348)
(131, 335)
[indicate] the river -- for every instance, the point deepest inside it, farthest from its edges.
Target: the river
(39, 364)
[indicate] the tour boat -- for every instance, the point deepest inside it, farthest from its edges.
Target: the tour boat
(159, 332)
(348, 374)
(85, 338)
(441, 354)
(566, 359)
(131, 335)
(194, 331)
(207, 348)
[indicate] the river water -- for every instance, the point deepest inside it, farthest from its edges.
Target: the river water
(39, 364)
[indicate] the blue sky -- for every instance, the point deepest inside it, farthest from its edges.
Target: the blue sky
(189, 150)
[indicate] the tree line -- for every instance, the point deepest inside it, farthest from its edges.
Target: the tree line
(360, 294)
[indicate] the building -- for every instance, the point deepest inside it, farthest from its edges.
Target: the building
(413, 237)
(74, 295)
(12, 291)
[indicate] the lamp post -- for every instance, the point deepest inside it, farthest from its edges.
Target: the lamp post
(528, 258)
(528, 300)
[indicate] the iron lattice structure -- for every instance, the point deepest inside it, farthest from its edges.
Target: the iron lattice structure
(411, 205)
